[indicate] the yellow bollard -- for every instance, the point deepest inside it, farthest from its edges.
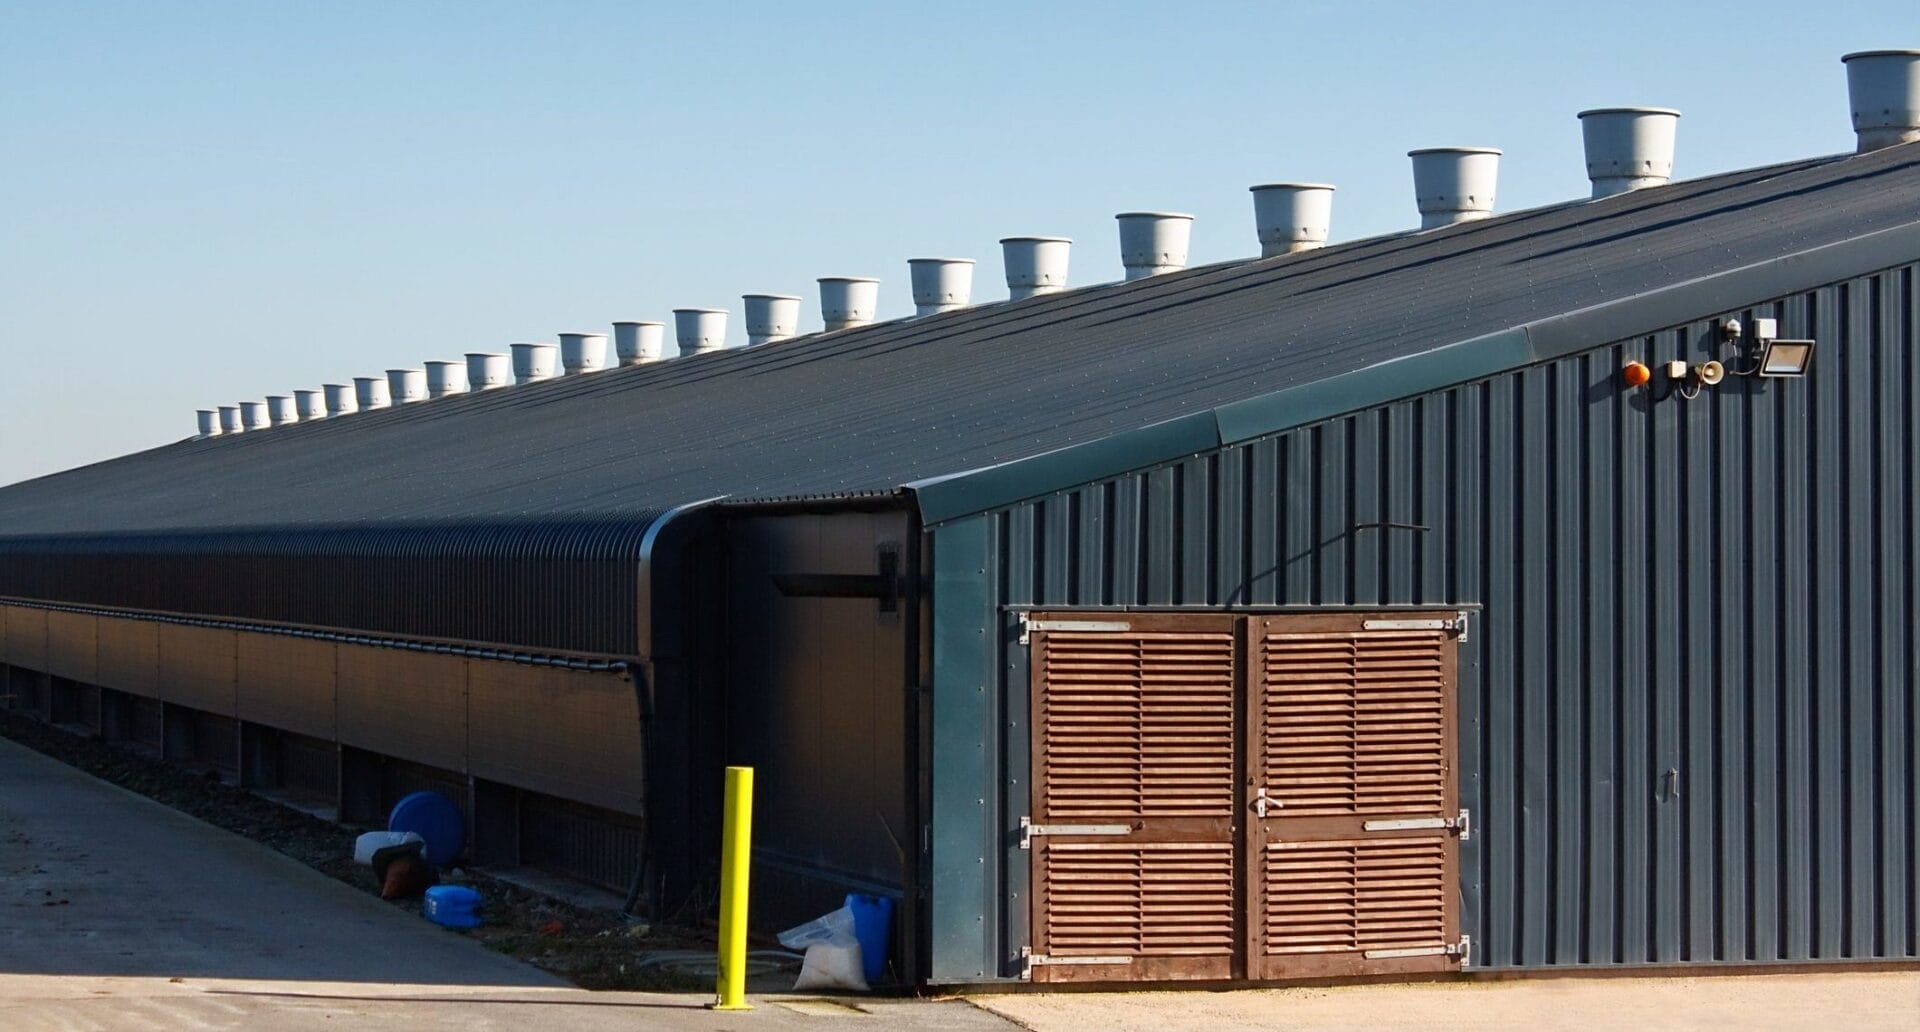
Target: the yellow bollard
(736, 847)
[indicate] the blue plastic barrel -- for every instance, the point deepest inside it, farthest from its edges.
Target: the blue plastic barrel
(437, 820)
(873, 926)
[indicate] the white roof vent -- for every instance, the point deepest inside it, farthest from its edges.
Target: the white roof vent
(770, 317)
(487, 371)
(1454, 184)
(1292, 217)
(310, 405)
(280, 410)
(230, 420)
(1883, 88)
(535, 362)
(1628, 148)
(208, 422)
(371, 392)
(1153, 242)
(940, 284)
(848, 301)
(583, 352)
(406, 386)
(444, 378)
(341, 399)
(1035, 265)
(700, 331)
(254, 415)
(637, 343)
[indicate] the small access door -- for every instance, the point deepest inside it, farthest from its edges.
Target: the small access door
(1353, 837)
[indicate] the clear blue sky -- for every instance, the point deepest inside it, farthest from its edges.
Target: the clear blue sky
(208, 202)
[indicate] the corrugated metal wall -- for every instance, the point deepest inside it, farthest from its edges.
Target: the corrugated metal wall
(1688, 700)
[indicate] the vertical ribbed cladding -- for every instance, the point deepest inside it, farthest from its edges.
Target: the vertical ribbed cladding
(638, 342)
(230, 420)
(280, 410)
(310, 405)
(848, 301)
(1153, 243)
(372, 392)
(341, 399)
(1292, 217)
(444, 378)
(1454, 184)
(700, 331)
(583, 352)
(253, 415)
(488, 371)
(1883, 89)
(1628, 148)
(1035, 264)
(208, 422)
(533, 362)
(770, 317)
(406, 386)
(940, 284)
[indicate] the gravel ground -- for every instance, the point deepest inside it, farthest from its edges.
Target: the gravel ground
(594, 949)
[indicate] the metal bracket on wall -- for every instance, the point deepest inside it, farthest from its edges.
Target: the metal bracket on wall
(883, 586)
(1028, 830)
(1029, 625)
(1455, 626)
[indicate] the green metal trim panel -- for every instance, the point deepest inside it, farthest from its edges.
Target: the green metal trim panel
(966, 494)
(964, 749)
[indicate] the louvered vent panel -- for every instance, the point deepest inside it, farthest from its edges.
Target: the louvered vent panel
(1348, 895)
(1356, 722)
(1137, 725)
(1149, 899)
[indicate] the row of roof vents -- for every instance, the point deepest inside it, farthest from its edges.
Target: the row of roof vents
(1627, 148)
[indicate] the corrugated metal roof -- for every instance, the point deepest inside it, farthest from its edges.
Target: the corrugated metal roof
(872, 408)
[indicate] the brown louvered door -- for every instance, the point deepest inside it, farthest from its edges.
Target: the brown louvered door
(1352, 848)
(1132, 826)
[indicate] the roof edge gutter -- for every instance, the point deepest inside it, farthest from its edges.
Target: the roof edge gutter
(955, 496)
(650, 570)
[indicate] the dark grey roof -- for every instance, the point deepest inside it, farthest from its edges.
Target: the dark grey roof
(870, 409)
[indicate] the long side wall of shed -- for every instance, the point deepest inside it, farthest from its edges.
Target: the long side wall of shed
(1688, 699)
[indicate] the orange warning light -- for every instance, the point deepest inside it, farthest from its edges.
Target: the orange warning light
(1636, 374)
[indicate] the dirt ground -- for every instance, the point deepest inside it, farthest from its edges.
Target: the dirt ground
(595, 949)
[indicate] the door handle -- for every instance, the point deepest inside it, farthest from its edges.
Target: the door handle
(1261, 801)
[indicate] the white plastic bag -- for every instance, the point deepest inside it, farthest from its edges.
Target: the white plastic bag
(833, 953)
(374, 841)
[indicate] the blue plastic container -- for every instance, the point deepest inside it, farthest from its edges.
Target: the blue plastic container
(455, 906)
(438, 822)
(873, 926)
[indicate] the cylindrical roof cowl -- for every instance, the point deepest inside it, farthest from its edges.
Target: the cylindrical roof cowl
(371, 392)
(310, 404)
(1883, 88)
(770, 317)
(488, 371)
(700, 331)
(253, 415)
(848, 301)
(1035, 264)
(533, 362)
(1153, 242)
(407, 386)
(208, 421)
(1454, 184)
(230, 420)
(342, 400)
(940, 284)
(637, 343)
(1628, 148)
(444, 378)
(1291, 217)
(280, 410)
(583, 352)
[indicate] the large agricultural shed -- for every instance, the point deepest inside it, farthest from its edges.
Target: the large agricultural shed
(1345, 612)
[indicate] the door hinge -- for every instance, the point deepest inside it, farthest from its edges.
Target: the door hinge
(1031, 958)
(1028, 625)
(1028, 830)
(1462, 949)
(1457, 626)
(1460, 825)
